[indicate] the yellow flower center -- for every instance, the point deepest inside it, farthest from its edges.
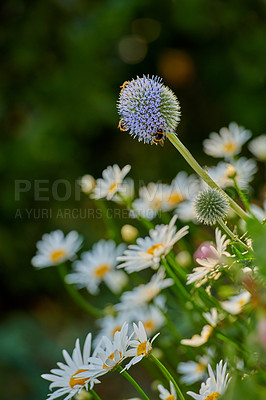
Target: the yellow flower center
(101, 270)
(111, 357)
(200, 367)
(156, 203)
(149, 325)
(171, 397)
(213, 396)
(230, 147)
(73, 381)
(152, 249)
(57, 255)
(113, 187)
(142, 348)
(241, 302)
(175, 198)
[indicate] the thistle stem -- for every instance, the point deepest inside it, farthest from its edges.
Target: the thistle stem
(167, 374)
(133, 383)
(77, 297)
(198, 169)
(243, 198)
(230, 233)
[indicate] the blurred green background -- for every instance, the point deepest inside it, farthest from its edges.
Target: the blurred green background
(63, 62)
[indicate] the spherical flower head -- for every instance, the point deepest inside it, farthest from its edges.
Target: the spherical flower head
(203, 251)
(210, 206)
(147, 107)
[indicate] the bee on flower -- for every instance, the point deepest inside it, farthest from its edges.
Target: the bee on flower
(98, 265)
(55, 248)
(66, 377)
(148, 109)
(147, 252)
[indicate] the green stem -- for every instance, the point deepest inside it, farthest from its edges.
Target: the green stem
(243, 198)
(94, 394)
(167, 374)
(197, 168)
(176, 280)
(112, 229)
(133, 383)
(230, 233)
(77, 297)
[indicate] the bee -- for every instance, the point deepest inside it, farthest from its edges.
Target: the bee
(158, 137)
(123, 86)
(121, 127)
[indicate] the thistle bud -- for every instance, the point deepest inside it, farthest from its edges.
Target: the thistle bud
(211, 205)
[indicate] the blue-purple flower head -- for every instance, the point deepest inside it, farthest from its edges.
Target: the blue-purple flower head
(147, 107)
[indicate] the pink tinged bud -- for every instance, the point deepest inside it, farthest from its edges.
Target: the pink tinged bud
(203, 251)
(262, 332)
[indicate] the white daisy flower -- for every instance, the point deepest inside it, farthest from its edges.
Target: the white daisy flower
(98, 265)
(127, 191)
(215, 258)
(151, 200)
(109, 354)
(141, 346)
(182, 188)
(165, 394)
(111, 182)
(148, 251)
(228, 142)
(214, 386)
(259, 213)
(54, 248)
(245, 171)
(257, 147)
(152, 318)
(193, 371)
(66, 376)
(111, 324)
(144, 293)
(235, 304)
(199, 340)
(185, 211)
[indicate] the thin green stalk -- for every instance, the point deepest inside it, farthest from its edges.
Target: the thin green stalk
(133, 383)
(198, 169)
(243, 198)
(230, 233)
(167, 374)
(94, 394)
(77, 297)
(179, 285)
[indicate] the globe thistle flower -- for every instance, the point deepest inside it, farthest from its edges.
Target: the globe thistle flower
(147, 107)
(210, 206)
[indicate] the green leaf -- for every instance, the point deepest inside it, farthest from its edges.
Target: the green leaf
(257, 233)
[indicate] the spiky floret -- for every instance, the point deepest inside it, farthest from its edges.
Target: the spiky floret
(146, 107)
(211, 205)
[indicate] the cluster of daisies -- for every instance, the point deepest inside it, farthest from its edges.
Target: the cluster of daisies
(82, 370)
(149, 111)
